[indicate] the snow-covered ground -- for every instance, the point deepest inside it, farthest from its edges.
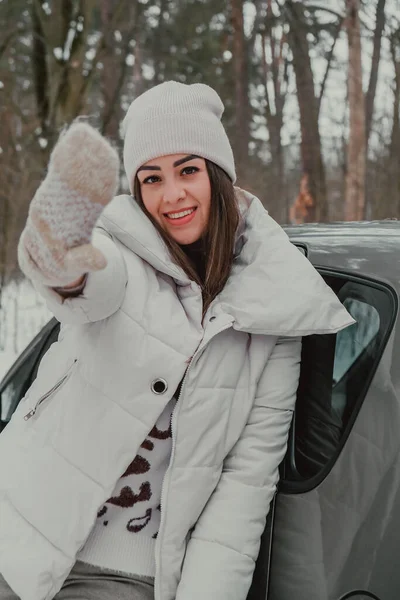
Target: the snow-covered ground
(23, 313)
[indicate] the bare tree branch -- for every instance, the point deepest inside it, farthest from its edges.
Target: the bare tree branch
(329, 62)
(7, 39)
(325, 9)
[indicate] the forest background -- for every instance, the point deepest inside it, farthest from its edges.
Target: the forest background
(311, 92)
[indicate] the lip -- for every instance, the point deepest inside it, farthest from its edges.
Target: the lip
(183, 220)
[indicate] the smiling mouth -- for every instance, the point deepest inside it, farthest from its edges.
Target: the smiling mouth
(181, 214)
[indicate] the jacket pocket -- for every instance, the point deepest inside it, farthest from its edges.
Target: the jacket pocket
(50, 392)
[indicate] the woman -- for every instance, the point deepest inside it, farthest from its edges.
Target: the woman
(147, 450)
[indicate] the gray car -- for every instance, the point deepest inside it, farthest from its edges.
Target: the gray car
(334, 528)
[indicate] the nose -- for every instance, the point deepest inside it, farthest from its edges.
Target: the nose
(173, 191)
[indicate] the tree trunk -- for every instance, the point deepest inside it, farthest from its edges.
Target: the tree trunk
(4, 224)
(60, 57)
(394, 156)
(356, 153)
(370, 99)
(109, 74)
(160, 53)
(70, 89)
(313, 175)
(138, 80)
(376, 55)
(40, 70)
(275, 72)
(114, 71)
(242, 112)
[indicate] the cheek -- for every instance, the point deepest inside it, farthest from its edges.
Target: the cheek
(150, 202)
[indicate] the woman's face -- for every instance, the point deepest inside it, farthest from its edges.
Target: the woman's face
(176, 191)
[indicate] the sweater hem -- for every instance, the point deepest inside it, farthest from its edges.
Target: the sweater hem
(129, 553)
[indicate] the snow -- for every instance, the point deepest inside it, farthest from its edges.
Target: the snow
(22, 315)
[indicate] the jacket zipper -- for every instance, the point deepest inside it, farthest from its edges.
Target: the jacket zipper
(173, 421)
(47, 395)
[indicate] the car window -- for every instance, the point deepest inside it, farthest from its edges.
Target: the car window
(22, 374)
(15, 389)
(336, 371)
(352, 341)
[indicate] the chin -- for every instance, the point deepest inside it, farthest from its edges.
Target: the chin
(185, 239)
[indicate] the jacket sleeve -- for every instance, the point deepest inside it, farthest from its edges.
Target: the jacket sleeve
(223, 548)
(103, 293)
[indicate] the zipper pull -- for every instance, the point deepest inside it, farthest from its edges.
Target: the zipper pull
(30, 414)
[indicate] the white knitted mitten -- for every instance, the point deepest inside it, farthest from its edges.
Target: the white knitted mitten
(55, 247)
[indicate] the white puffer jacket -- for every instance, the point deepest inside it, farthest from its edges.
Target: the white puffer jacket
(139, 323)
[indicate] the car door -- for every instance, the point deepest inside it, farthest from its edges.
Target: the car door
(338, 505)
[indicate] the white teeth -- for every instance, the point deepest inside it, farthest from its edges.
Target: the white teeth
(179, 215)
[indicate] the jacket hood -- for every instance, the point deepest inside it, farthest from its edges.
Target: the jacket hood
(273, 288)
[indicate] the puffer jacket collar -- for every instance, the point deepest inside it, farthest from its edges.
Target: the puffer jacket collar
(272, 289)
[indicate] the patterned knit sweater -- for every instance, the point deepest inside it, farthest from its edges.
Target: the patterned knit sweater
(124, 535)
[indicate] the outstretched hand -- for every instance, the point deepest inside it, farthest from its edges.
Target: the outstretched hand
(55, 246)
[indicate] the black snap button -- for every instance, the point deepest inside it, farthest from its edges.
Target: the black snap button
(159, 386)
(212, 318)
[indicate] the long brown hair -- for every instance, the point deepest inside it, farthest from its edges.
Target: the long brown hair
(218, 240)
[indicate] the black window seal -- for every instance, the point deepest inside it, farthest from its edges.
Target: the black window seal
(34, 349)
(301, 485)
(34, 345)
(302, 247)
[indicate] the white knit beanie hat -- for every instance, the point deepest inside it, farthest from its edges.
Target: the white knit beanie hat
(176, 118)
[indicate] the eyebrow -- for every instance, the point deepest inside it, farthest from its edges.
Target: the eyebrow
(176, 163)
(185, 159)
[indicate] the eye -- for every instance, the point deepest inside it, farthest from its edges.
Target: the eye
(189, 170)
(151, 179)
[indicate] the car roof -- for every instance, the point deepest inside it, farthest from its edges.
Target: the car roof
(367, 248)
